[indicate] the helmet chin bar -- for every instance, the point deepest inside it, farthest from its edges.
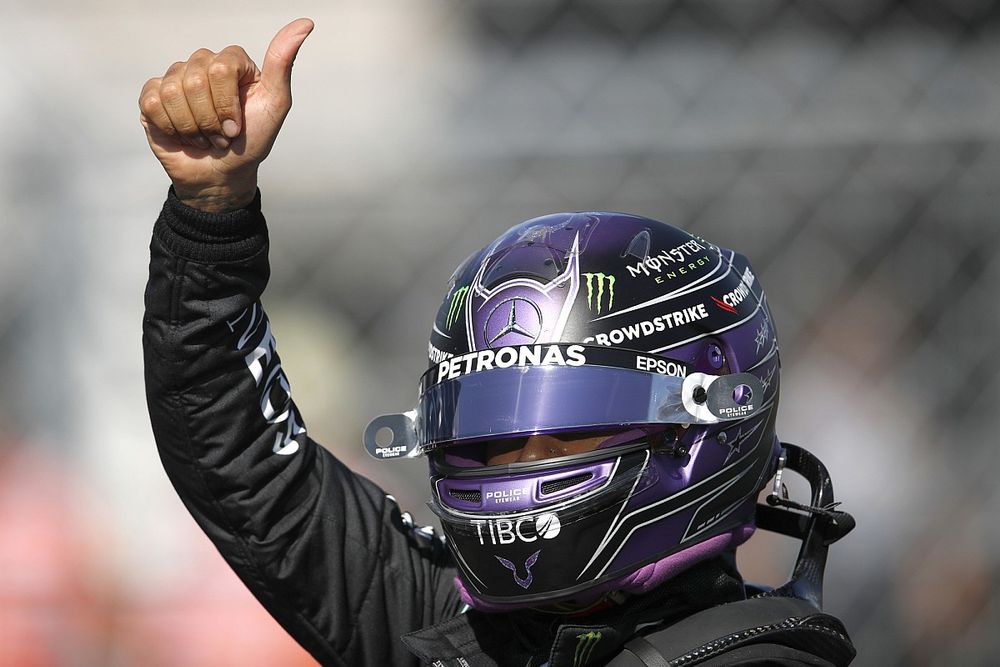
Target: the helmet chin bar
(817, 525)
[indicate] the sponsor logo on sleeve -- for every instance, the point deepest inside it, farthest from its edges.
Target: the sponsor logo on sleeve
(274, 391)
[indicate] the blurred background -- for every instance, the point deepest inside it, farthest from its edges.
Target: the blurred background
(851, 148)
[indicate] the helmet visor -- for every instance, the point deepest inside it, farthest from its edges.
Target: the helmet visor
(551, 388)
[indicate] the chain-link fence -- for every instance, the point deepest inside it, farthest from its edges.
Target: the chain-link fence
(850, 148)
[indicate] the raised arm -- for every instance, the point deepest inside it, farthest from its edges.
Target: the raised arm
(325, 551)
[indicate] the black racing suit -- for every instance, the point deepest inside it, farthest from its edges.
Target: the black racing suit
(326, 551)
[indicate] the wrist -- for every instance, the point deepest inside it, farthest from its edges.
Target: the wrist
(209, 237)
(217, 199)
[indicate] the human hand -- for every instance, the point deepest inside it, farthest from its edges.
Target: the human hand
(213, 119)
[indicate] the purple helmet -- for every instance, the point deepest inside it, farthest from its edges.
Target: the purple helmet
(655, 343)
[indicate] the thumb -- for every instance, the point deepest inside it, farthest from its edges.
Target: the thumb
(276, 74)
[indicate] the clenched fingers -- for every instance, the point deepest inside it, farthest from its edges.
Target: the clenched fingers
(175, 103)
(198, 95)
(228, 71)
(198, 100)
(151, 108)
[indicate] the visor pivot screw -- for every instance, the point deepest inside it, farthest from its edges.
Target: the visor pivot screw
(722, 438)
(671, 445)
(699, 395)
(715, 356)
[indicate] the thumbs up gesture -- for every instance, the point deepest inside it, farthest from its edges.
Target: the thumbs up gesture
(213, 119)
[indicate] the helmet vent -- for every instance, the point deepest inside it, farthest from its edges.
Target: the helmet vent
(638, 247)
(467, 495)
(557, 485)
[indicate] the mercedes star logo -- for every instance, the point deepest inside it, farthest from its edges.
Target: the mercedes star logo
(522, 321)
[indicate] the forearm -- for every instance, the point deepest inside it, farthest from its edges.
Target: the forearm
(210, 359)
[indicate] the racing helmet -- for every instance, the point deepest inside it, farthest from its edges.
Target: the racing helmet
(654, 346)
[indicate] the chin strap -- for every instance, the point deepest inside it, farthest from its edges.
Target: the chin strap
(818, 524)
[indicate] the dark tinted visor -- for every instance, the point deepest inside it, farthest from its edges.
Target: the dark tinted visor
(525, 390)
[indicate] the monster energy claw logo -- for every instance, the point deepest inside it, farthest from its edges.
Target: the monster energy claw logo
(457, 297)
(585, 644)
(600, 279)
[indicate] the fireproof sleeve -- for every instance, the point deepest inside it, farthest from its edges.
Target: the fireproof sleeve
(326, 551)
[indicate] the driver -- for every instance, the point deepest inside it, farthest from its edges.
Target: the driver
(598, 418)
